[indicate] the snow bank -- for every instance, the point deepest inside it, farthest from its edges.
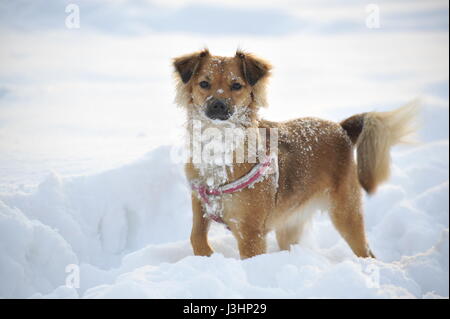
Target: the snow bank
(97, 219)
(34, 255)
(128, 230)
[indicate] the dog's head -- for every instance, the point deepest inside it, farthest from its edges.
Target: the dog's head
(222, 88)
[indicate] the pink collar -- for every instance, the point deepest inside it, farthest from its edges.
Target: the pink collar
(252, 177)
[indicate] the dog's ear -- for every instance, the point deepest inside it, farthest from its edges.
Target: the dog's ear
(253, 68)
(187, 65)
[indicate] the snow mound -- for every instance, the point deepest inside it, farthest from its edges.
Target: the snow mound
(128, 231)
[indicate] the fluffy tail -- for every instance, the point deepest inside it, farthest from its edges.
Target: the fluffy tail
(374, 133)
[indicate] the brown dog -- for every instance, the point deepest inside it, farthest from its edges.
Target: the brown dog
(315, 163)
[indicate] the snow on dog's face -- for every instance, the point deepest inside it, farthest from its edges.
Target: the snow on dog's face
(221, 89)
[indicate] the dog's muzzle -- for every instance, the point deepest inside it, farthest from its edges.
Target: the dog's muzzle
(218, 110)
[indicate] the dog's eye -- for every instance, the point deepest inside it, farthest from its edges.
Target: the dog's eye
(204, 84)
(236, 86)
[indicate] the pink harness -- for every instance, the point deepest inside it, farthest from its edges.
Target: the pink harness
(255, 174)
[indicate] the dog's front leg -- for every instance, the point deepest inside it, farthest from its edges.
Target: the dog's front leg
(250, 238)
(199, 233)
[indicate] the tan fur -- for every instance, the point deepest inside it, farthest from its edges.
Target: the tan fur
(381, 131)
(316, 162)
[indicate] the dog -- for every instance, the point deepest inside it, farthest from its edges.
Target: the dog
(314, 166)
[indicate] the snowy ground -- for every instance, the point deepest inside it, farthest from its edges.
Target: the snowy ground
(87, 125)
(128, 229)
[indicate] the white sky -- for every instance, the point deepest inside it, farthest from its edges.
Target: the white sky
(85, 99)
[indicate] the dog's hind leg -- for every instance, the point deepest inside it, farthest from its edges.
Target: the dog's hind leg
(347, 216)
(288, 235)
(290, 232)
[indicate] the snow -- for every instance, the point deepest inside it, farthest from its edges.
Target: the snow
(86, 181)
(128, 230)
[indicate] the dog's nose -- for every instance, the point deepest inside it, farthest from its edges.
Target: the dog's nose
(217, 109)
(218, 106)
